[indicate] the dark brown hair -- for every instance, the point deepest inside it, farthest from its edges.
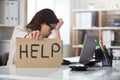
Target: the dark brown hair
(43, 16)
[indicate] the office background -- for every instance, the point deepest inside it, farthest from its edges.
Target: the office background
(63, 9)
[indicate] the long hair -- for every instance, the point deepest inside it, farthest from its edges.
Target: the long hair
(43, 16)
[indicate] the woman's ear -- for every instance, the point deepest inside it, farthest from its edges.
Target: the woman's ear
(43, 24)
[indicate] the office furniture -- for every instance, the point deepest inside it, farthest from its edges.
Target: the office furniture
(3, 58)
(62, 73)
(95, 22)
(13, 13)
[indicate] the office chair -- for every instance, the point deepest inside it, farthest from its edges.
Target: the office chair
(3, 58)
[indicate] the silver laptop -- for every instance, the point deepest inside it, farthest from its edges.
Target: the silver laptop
(87, 51)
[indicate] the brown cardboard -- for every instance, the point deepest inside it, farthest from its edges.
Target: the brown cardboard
(38, 53)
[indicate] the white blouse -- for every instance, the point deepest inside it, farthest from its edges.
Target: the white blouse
(18, 32)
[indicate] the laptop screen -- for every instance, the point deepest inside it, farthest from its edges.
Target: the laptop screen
(88, 49)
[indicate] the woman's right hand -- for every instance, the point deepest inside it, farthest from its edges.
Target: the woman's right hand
(34, 35)
(59, 24)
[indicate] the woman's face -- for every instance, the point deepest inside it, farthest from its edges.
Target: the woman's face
(46, 30)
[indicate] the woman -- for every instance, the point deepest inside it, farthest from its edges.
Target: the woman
(40, 27)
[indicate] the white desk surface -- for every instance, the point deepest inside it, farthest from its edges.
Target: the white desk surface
(62, 73)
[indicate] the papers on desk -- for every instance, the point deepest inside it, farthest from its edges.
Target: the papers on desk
(73, 59)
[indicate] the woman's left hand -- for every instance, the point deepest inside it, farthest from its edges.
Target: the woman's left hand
(59, 24)
(34, 35)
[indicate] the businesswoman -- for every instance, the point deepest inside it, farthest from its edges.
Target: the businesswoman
(40, 26)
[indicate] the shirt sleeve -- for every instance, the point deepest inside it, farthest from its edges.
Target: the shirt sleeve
(18, 32)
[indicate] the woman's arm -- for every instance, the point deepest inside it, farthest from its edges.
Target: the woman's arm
(18, 32)
(57, 29)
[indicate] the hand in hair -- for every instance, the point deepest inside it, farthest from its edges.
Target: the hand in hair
(59, 24)
(34, 35)
(57, 27)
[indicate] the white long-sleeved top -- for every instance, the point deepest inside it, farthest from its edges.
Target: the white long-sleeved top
(18, 32)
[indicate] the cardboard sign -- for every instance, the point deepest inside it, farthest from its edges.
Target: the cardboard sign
(38, 53)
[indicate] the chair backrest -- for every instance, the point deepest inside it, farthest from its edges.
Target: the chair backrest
(3, 58)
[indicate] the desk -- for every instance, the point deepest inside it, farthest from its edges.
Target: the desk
(62, 73)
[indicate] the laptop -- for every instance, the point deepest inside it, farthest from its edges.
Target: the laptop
(87, 51)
